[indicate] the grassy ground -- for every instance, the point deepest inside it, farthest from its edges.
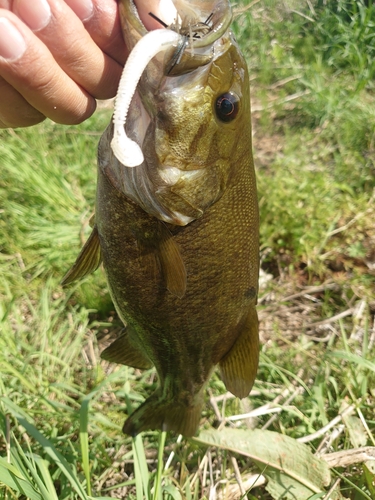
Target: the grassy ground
(61, 408)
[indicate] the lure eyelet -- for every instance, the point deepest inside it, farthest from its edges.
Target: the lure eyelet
(227, 106)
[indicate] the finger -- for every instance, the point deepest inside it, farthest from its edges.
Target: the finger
(15, 111)
(56, 25)
(28, 66)
(102, 21)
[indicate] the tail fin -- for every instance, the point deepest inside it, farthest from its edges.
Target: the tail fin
(173, 415)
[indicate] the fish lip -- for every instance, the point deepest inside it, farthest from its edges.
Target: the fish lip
(135, 13)
(216, 32)
(222, 13)
(192, 53)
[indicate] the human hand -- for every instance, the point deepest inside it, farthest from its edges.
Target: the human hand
(56, 58)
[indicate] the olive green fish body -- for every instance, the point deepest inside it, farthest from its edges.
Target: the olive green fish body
(183, 337)
(180, 245)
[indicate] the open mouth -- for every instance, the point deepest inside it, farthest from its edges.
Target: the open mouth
(200, 21)
(166, 15)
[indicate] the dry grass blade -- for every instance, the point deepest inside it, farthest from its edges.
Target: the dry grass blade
(321, 432)
(346, 458)
(234, 491)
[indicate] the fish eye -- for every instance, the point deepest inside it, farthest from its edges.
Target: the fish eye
(227, 107)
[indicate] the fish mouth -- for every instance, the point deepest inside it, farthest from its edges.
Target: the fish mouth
(178, 55)
(181, 47)
(200, 22)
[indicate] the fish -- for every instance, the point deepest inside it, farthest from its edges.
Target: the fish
(177, 231)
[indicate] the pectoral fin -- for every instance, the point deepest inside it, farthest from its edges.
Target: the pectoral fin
(171, 262)
(160, 254)
(123, 352)
(239, 366)
(88, 260)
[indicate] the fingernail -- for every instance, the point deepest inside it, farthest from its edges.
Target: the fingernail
(12, 44)
(36, 14)
(84, 9)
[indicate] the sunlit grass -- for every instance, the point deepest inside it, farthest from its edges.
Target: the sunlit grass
(62, 409)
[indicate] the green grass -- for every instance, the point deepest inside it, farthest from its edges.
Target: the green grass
(62, 409)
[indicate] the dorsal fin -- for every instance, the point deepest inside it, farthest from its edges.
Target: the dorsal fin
(239, 366)
(88, 260)
(92, 221)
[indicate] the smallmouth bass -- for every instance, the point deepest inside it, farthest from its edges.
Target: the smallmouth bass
(178, 232)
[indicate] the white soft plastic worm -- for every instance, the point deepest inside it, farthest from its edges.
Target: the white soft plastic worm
(125, 149)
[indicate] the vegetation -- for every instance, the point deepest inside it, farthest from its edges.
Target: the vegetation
(61, 407)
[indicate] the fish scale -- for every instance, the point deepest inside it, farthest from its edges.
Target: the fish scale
(186, 291)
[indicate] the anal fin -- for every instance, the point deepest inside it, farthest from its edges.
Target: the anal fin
(88, 260)
(239, 366)
(122, 351)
